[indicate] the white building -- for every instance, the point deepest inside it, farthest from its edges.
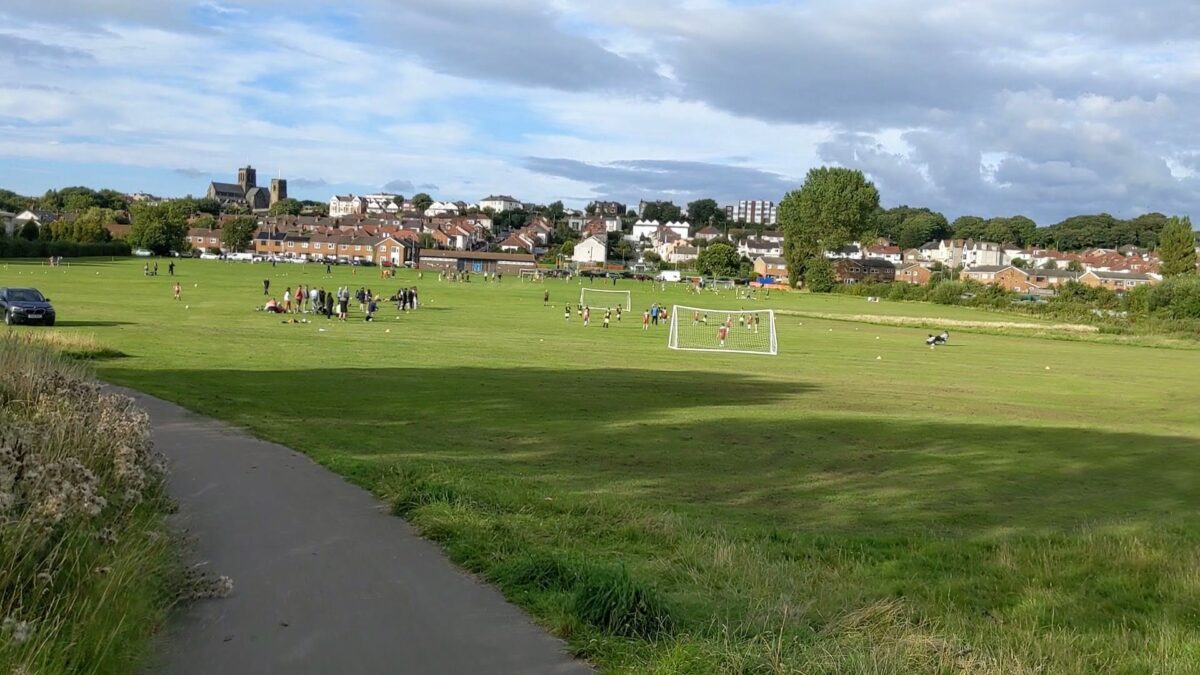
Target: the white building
(500, 203)
(381, 203)
(644, 229)
(593, 250)
(754, 248)
(982, 254)
(441, 209)
(680, 228)
(348, 205)
(752, 211)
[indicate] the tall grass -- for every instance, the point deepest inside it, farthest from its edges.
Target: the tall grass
(87, 570)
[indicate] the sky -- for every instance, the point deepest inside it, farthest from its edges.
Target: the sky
(981, 107)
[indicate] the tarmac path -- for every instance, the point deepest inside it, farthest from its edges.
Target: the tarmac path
(325, 579)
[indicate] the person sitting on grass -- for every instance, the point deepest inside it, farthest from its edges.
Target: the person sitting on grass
(273, 307)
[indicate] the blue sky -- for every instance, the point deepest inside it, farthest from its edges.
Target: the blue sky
(990, 108)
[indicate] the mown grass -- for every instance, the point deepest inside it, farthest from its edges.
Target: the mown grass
(87, 568)
(860, 503)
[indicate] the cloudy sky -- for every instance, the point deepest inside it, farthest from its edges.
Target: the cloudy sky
(988, 107)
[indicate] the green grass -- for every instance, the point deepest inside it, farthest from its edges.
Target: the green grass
(859, 503)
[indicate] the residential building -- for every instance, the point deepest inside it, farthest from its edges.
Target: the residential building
(682, 253)
(202, 238)
(758, 211)
(770, 266)
(852, 270)
(912, 273)
(890, 253)
(441, 209)
(982, 253)
(708, 233)
(477, 262)
(500, 203)
(348, 205)
(609, 209)
(1115, 281)
(753, 248)
(644, 229)
(7, 223)
(591, 251)
(383, 203)
(984, 274)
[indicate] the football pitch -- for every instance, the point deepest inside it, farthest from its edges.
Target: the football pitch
(858, 503)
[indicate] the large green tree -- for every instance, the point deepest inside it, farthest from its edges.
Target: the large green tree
(663, 212)
(158, 228)
(920, 228)
(832, 208)
(13, 202)
(237, 233)
(705, 212)
(87, 227)
(421, 201)
(1177, 247)
(286, 207)
(718, 260)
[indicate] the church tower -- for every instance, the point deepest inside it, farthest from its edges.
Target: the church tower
(247, 178)
(278, 190)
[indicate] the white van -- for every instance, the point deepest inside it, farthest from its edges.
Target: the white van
(668, 275)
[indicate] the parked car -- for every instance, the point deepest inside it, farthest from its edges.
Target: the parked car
(25, 305)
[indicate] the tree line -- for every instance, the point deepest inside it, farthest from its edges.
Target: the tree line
(836, 206)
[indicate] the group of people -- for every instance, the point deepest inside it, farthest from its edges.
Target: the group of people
(308, 300)
(149, 271)
(585, 313)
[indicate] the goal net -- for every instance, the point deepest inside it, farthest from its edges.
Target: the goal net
(530, 275)
(717, 330)
(720, 284)
(597, 297)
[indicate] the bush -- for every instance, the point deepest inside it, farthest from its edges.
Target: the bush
(1175, 298)
(16, 247)
(611, 600)
(87, 568)
(947, 293)
(819, 276)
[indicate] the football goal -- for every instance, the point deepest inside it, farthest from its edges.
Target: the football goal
(717, 330)
(597, 297)
(720, 285)
(530, 274)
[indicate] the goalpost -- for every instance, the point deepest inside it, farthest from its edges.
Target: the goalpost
(598, 297)
(716, 330)
(530, 274)
(720, 285)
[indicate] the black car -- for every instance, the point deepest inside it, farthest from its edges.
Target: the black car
(25, 305)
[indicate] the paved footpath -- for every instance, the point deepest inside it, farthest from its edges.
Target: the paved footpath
(325, 580)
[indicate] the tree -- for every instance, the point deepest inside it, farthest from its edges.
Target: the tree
(568, 248)
(555, 211)
(509, 220)
(1177, 247)
(421, 201)
(13, 202)
(818, 275)
(663, 212)
(834, 206)
(426, 240)
(204, 221)
(1017, 230)
(890, 223)
(237, 233)
(88, 227)
(158, 228)
(1074, 266)
(920, 228)
(1020, 263)
(623, 249)
(286, 207)
(29, 231)
(718, 260)
(968, 227)
(704, 212)
(210, 206)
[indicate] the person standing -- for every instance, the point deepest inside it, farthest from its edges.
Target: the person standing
(646, 320)
(287, 300)
(171, 268)
(546, 297)
(654, 314)
(266, 286)
(587, 316)
(178, 290)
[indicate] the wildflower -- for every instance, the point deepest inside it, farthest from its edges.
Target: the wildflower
(19, 630)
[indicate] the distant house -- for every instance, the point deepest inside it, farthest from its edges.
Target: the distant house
(7, 224)
(441, 209)
(347, 205)
(518, 242)
(1115, 281)
(912, 273)
(202, 238)
(591, 251)
(644, 229)
(682, 253)
(753, 248)
(890, 253)
(708, 233)
(770, 266)
(853, 270)
(984, 274)
(500, 203)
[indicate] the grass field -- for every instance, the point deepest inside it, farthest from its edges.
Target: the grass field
(859, 503)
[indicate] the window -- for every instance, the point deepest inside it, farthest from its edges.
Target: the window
(291, 244)
(329, 246)
(357, 248)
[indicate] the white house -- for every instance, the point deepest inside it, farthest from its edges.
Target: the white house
(441, 209)
(754, 248)
(682, 253)
(347, 205)
(680, 228)
(593, 250)
(6, 222)
(500, 203)
(644, 229)
(381, 203)
(982, 254)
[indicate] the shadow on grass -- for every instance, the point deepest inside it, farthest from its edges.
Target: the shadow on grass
(718, 445)
(94, 324)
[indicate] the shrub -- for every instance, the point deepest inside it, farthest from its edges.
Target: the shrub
(87, 570)
(609, 599)
(947, 293)
(819, 276)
